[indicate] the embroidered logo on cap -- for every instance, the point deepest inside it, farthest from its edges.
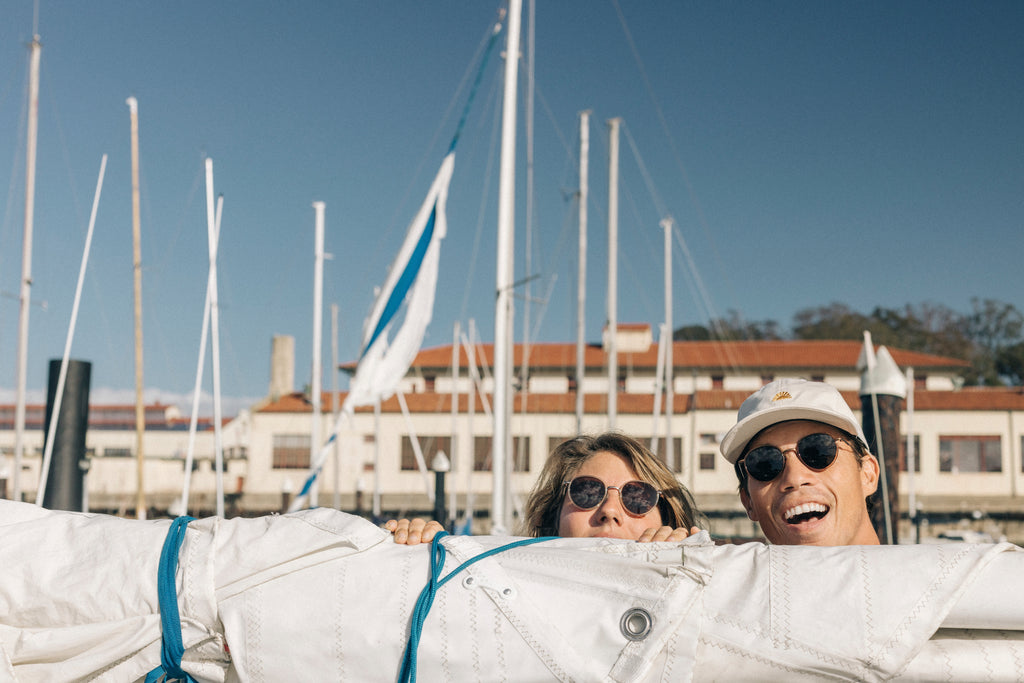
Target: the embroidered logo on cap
(781, 395)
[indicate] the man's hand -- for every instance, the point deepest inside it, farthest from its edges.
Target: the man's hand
(665, 533)
(414, 531)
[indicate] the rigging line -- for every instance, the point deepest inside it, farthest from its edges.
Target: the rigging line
(488, 174)
(701, 219)
(659, 205)
(661, 118)
(730, 356)
(476, 82)
(65, 151)
(484, 44)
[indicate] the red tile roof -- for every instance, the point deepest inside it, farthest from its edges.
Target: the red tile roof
(974, 398)
(775, 356)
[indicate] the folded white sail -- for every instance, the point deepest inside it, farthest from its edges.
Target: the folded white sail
(320, 595)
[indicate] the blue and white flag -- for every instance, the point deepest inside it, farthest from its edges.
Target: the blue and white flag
(412, 281)
(405, 300)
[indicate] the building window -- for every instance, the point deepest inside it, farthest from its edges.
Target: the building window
(556, 441)
(520, 454)
(970, 454)
(917, 453)
(717, 381)
(291, 451)
(117, 452)
(677, 451)
(429, 445)
(708, 451)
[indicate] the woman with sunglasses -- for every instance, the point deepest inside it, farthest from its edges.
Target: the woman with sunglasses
(608, 485)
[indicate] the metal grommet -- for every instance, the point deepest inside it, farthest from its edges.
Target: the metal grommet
(636, 623)
(468, 581)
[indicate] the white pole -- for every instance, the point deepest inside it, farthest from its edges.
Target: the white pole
(613, 271)
(213, 237)
(471, 419)
(203, 335)
(44, 472)
(911, 453)
(453, 451)
(318, 287)
(335, 404)
(659, 375)
(503, 321)
(26, 261)
(140, 408)
(524, 364)
(666, 339)
(581, 280)
(376, 458)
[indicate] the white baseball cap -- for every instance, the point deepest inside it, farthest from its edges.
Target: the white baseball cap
(788, 399)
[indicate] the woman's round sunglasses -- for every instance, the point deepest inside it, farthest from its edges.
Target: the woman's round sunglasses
(816, 451)
(638, 497)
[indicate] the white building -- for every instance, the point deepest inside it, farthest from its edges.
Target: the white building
(968, 441)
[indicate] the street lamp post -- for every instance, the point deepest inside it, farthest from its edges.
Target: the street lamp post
(441, 466)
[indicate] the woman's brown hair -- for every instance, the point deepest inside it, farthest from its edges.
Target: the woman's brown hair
(545, 502)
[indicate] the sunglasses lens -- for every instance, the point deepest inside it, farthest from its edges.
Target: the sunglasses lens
(586, 492)
(639, 497)
(764, 463)
(817, 451)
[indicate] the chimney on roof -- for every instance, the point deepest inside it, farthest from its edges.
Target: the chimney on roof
(630, 337)
(282, 366)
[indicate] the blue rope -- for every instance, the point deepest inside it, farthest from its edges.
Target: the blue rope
(426, 599)
(170, 620)
(476, 83)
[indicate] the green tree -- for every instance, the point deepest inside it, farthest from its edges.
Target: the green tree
(993, 327)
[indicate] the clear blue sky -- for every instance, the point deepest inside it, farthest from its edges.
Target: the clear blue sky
(869, 153)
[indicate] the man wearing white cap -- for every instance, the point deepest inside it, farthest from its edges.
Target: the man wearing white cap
(803, 465)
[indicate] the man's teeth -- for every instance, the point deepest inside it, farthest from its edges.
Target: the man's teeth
(805, 509)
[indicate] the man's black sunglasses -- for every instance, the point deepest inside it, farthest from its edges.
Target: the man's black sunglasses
(816, 451)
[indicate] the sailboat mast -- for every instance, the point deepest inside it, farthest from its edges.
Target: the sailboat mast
(26, 259)
(613, 271)
(505, 261)
(213, 216)
(581, 279)
(140, 411)
(666, 338)
(524, 364)
(318, 289)
(335, 404)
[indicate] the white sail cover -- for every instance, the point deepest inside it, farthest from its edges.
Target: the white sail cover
(321, 595)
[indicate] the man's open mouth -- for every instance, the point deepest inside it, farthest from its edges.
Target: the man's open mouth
(806, 512)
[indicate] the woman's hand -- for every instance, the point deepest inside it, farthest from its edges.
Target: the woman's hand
(413, 531)
(665, 533)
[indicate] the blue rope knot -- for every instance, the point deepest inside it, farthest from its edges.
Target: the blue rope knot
(172, 647)
(426, 599)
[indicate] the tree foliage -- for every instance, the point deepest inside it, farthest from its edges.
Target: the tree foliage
(990, 337)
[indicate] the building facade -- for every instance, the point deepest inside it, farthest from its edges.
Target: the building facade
(967, 441)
